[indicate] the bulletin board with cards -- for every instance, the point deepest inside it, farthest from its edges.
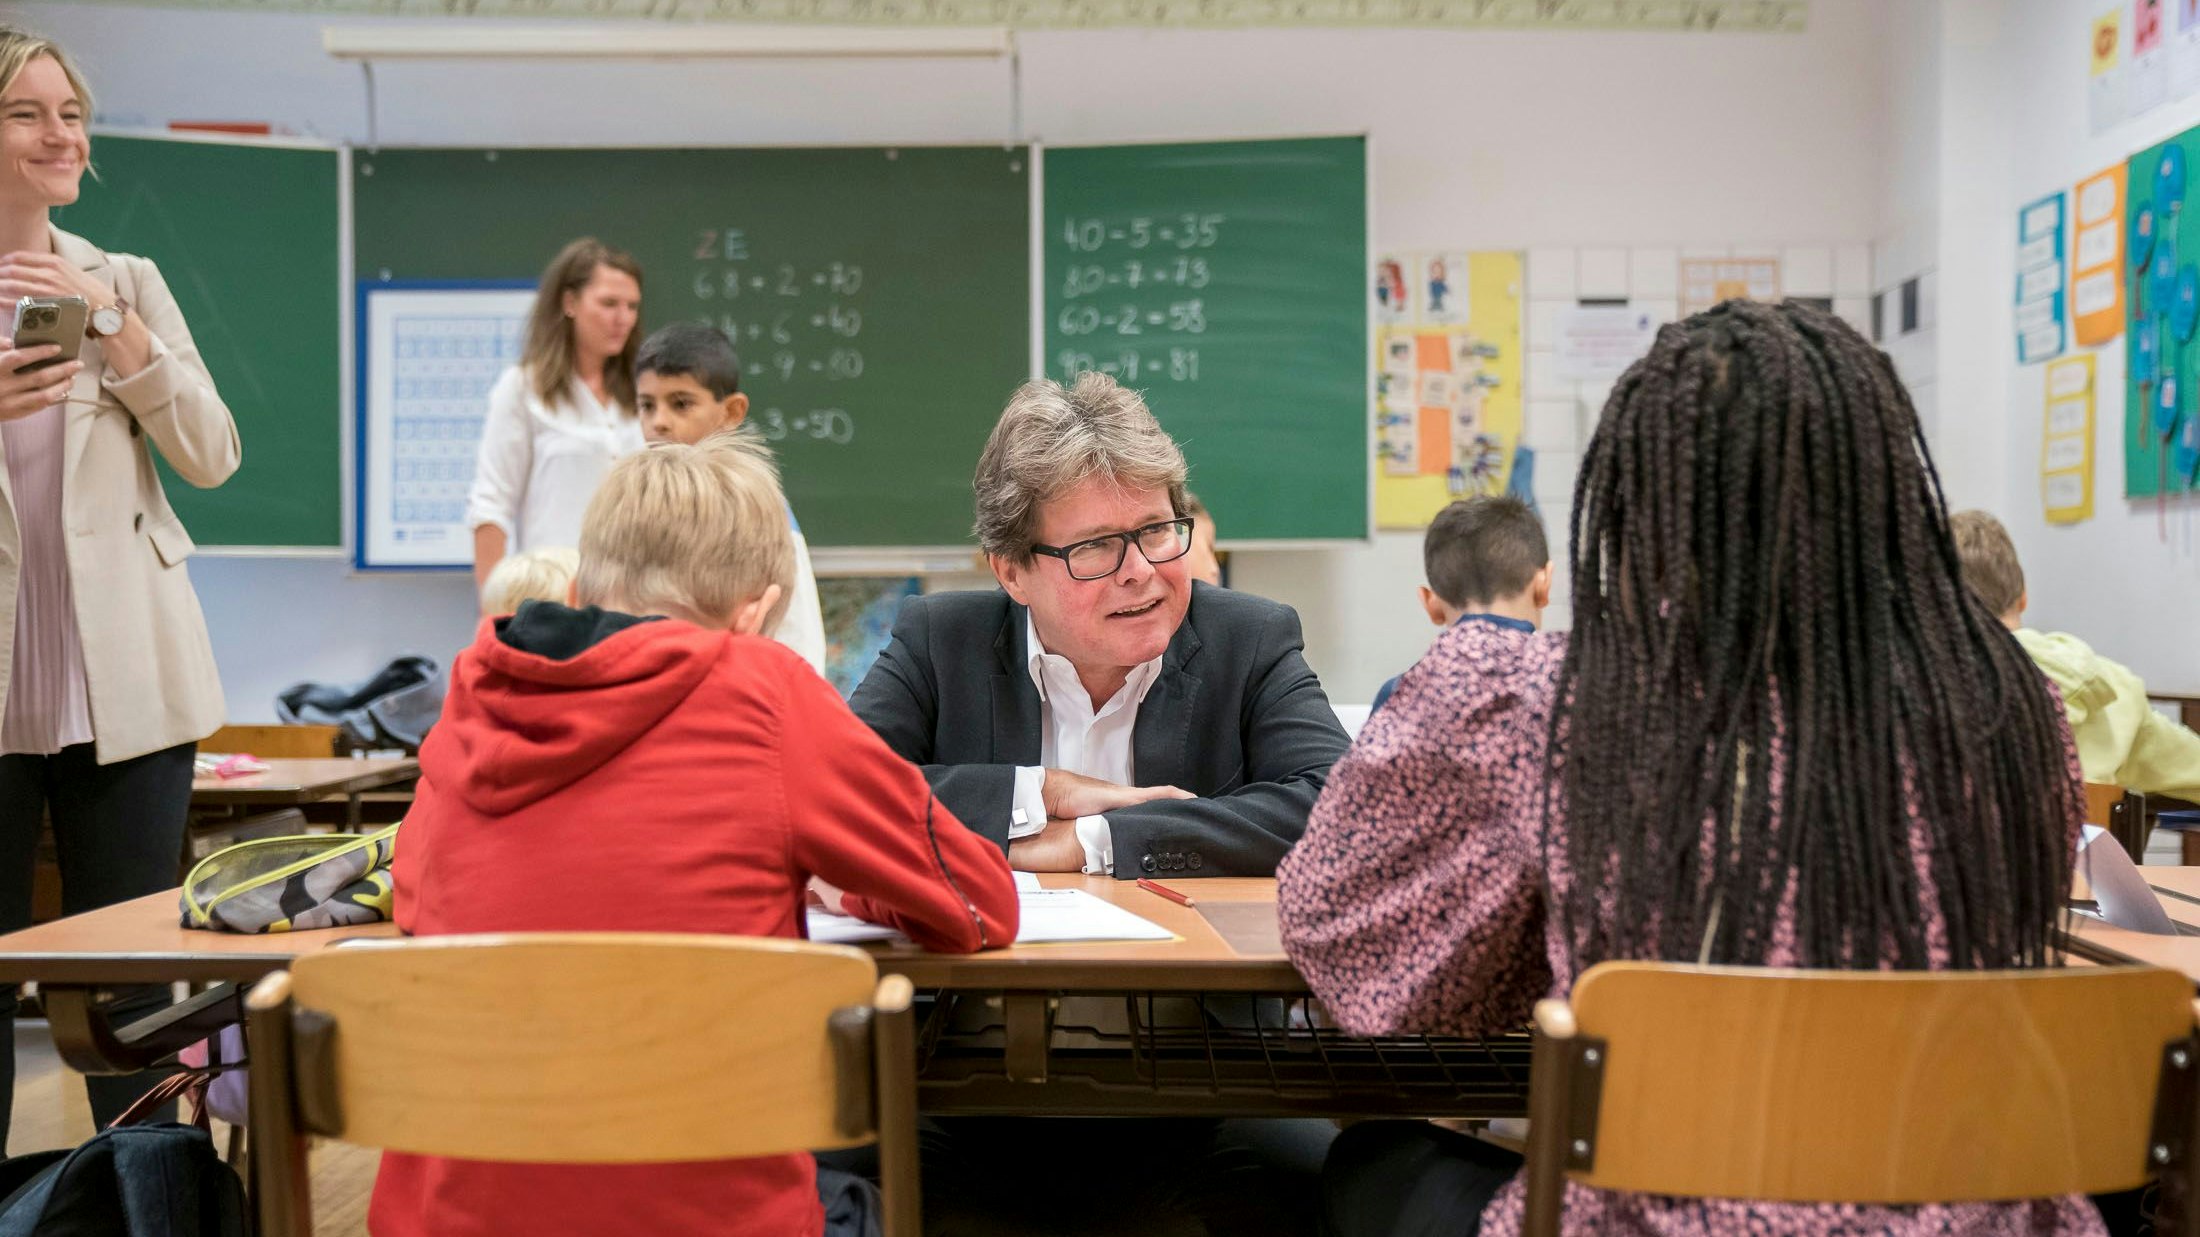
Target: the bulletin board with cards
(1448, 369)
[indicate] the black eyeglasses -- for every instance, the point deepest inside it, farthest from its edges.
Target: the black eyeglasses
(1100, 557)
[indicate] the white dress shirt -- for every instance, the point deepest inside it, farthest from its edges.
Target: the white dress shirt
(541, 463)
(802, 626)
(1076, 738)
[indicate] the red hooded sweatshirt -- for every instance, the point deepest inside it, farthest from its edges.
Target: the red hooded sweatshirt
(597, 772)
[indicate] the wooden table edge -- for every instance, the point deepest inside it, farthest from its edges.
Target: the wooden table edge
(375, 778)
(79, 969)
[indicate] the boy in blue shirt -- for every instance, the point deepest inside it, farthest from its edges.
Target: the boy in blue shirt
(687, 386)
(1487, 562)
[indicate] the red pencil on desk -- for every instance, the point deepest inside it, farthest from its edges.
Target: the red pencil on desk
(1166, 892)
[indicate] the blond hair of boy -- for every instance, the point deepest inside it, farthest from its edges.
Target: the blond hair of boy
(2121, 739)
(694, 533)
(531, 575)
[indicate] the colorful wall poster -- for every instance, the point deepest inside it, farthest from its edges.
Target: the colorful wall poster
(859, 622)
(1447, 381)
(2162, 296)
(1393, 303)
(2066, 441)
(2097, 272)
(1707, 281)
(2040, 279)
(2105, 90)
(2148, 81)
(2184, 51)
(1442, 286)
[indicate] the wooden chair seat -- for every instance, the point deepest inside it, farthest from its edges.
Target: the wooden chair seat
(1861, 1087)
(469, 1046)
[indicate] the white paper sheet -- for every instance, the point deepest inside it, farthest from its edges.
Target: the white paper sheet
(827, 928)
(1045, 916)
(1074, 915)
(2122, 894)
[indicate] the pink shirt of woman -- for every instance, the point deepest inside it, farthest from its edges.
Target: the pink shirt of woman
(47, 706)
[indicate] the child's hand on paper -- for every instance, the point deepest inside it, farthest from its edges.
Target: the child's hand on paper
(824, 897)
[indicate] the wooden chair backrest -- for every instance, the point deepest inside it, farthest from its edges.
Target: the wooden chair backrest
(301, 742)
(474, 1047)
(2120, 812)
(1856, 1086)
(2101, 799)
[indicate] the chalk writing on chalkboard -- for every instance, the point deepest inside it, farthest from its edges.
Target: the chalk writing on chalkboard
(789, 322)
(1130, 295)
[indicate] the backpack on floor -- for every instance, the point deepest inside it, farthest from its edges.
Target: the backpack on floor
(132, 1181)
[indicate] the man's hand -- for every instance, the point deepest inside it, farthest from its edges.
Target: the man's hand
(1071, 795)
(1052, 849)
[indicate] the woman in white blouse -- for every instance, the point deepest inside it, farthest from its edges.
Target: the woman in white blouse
(107, 680)
(560, 418)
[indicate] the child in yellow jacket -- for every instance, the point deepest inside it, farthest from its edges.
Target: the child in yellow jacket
(2121, 739)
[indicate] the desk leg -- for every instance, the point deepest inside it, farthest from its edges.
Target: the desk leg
(1027, 1029)
(351, 812)
(89, 1044)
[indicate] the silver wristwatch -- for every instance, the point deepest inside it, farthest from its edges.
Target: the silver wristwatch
(107, 319)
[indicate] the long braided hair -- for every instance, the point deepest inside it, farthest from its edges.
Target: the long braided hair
(1779, 699)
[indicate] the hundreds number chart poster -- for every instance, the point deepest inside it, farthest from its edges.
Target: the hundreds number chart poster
(1447, 365)
(428, 356)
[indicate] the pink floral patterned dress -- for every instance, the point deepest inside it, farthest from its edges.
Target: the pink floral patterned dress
(1417, 902)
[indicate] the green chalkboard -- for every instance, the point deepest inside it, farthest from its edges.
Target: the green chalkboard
(246, 236)
(880, 297)
(1229, 282)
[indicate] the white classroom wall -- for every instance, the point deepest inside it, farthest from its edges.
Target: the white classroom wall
(2008, 123)
(1587, 144)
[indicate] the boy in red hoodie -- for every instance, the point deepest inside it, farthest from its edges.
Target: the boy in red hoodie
(647, 763)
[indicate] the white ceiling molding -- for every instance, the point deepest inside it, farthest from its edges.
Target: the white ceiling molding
(1703, 16)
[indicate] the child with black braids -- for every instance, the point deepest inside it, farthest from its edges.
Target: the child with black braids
(1782, 732)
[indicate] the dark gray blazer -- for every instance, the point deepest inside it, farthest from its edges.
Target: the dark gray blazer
(1236, 717)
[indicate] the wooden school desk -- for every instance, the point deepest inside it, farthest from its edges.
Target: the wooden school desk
(1214, 1022)
(297, 782)
(142, 942)
(2178, 890)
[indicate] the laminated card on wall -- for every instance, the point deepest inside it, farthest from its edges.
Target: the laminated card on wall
(2097, 272)
(2066, 441)
(2040, 279)
(2105, 88)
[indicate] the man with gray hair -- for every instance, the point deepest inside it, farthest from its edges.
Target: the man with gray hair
(1101, 712)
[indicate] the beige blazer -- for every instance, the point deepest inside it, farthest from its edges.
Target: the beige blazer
(148, 667)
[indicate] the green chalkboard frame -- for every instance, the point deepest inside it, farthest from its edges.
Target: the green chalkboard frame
(258, 270)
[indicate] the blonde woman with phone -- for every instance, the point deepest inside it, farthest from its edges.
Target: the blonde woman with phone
(107, 681)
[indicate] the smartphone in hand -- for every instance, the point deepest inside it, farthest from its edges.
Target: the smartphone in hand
(50, 320)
